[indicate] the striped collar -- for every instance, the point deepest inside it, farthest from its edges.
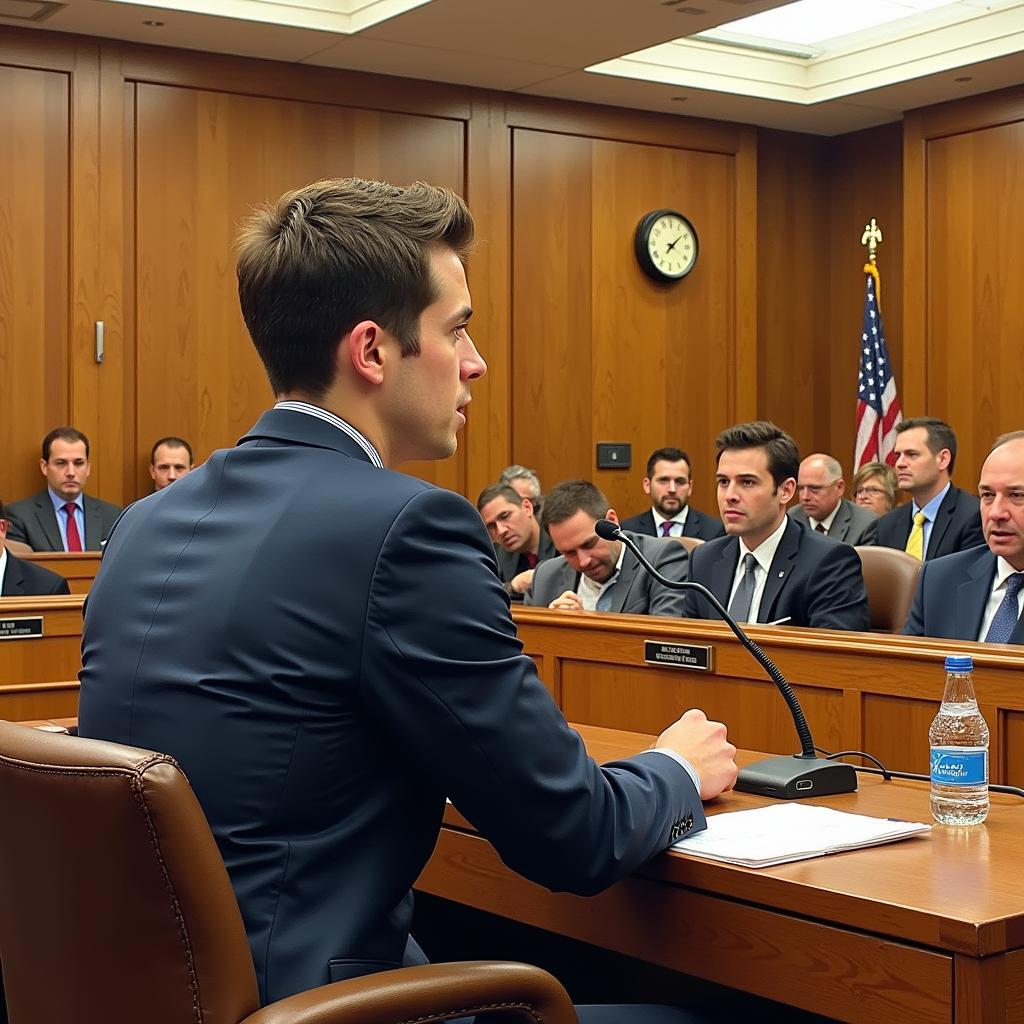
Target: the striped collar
(335, 421)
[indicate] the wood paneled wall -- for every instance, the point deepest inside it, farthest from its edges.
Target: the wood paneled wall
(135, 164)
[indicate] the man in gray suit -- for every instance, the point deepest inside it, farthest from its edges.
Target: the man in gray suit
(62, 517)
(823, 508)
(592, 574)
(519, 542)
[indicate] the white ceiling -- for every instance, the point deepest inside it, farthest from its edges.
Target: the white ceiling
(536, 47)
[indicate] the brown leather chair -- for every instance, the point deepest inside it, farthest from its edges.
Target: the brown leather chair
(890, 577)
(115, 908)
(688, 542)
(17, 547)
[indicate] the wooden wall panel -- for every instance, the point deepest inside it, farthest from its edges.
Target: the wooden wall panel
(599, 352)
(35, 211)
(964, 312)
(204, 159)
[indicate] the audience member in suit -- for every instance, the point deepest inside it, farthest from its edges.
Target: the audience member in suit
(941, 518)
(669, 482)
(520, 544)
(324, 644)
(62, 517)
(976, 594)
(771, 568)
(23, 579)
(170, 459)
(874, 487)
(592, 574)
(823, 508)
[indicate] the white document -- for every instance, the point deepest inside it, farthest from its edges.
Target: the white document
(781, 833)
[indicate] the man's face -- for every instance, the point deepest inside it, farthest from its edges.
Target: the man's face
(67, 468)
(751, 505)
(818, 490)
(669, 487)
(583, 549)
(427, 394)
(916, 468)
(168, 464)
(509, 525)
(1001, 490)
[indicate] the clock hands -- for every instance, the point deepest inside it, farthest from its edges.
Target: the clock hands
(673, 245)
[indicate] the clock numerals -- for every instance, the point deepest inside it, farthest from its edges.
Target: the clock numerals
(666, 245)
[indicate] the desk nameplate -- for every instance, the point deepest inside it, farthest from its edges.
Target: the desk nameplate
(22, 628)
(697, 657)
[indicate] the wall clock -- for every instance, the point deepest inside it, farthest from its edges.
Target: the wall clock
(666, 245)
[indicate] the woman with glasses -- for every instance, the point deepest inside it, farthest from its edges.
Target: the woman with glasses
(874, 487)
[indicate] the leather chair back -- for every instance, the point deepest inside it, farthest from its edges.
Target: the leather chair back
(115, 905)
(688, 542)
(890, 577)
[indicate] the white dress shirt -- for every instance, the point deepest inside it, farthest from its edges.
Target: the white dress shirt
(589, 592)
(763, 553)
(995, 598)
(827, 521)
(678, 521)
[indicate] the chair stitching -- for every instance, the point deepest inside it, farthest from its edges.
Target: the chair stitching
(136, 785)
(511, 1005)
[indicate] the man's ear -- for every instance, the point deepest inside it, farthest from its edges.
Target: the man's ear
(647, 485)
(944, 458)
(363, 348)
(786, 490)
(611, 516)
(42, 466)
(528, 505)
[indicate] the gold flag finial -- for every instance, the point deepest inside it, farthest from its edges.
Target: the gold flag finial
(871, 237)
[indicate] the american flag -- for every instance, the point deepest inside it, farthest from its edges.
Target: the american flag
(878, 405)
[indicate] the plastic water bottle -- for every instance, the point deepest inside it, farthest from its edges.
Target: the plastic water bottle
(959, 742)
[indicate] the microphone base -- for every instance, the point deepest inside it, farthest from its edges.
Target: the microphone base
(795, 777)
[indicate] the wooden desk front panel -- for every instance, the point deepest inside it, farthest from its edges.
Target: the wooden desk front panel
(39, 676)
(78, 568)
(862, 691)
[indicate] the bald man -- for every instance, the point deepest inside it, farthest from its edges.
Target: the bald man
(823, 508)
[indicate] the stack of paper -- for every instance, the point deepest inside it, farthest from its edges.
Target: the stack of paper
(784, 832)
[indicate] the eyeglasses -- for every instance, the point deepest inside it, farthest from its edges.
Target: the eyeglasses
(864, 491)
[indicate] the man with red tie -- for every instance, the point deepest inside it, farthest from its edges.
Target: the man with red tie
(520, 543)
(62, 517)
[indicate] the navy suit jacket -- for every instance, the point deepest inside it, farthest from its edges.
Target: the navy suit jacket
(325, 689)
(24, 579)
(952, 595)
(813, 581)
(957, 525)
(697, 525)
(34, 522)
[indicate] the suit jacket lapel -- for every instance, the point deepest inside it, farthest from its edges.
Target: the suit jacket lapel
(972, 597)
(93, 524)
(942, 520)
(14, 578)
(627, 577)
(691, 528)
(780, 570)
(723, 571)
(47, 519)
(841, 524)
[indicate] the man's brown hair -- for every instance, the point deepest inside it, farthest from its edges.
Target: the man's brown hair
(564, 500)
(325, 257)
(783, 455)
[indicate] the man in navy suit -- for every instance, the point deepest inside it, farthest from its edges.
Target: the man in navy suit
(976, 594)
(771, 568)
(669, 482)
(941, 518)
(19, 578)
(326, 687)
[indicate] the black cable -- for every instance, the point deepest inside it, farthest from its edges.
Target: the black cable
(887, 775)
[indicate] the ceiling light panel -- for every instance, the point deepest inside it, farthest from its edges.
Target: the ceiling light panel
(340, 16)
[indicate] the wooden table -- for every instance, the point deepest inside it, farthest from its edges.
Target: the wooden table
(79, 568)
(925, 930)
(860, 691)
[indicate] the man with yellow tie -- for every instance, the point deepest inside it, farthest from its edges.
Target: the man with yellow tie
(940, 519)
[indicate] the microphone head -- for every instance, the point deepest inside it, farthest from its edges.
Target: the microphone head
(606, 529)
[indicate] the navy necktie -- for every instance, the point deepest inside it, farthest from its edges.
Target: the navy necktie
(1006, 616)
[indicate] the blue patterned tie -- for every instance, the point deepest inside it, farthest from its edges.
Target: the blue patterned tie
(1007, 613)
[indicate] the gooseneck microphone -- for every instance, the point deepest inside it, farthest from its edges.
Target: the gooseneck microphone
(787, 778)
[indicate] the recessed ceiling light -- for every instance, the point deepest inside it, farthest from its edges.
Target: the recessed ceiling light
(153, 24)
(964, 78)
(678, 99)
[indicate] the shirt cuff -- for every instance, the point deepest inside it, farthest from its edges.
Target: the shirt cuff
(690, 770)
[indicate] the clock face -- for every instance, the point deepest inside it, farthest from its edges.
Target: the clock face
(666, 245)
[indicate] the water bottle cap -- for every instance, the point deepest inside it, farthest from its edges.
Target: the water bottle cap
(959, 663)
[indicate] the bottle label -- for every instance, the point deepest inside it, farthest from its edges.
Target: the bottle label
(960, 766)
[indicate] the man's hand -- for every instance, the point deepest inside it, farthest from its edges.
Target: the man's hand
(520, 583)
(705, 746)
(567, 602)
